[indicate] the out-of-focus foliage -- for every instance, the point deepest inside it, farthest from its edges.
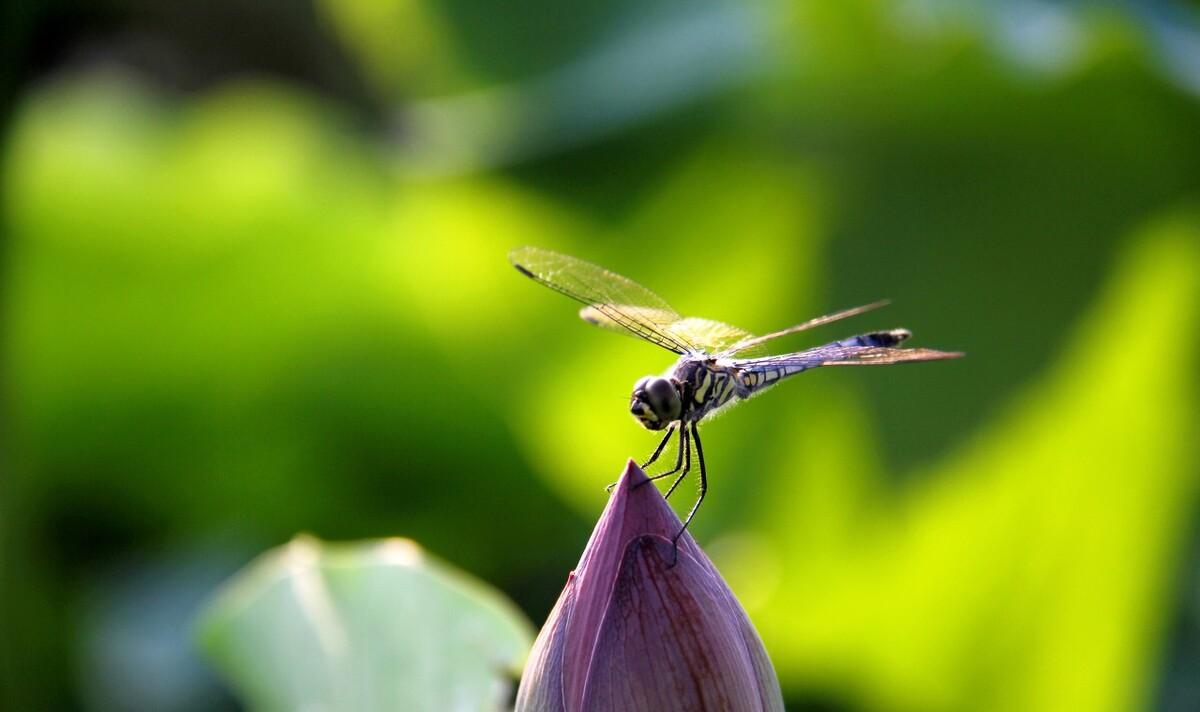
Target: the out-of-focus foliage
(371, 626)
(1034, 561)
(264, 306)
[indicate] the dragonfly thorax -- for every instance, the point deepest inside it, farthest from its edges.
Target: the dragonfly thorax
(655, 402)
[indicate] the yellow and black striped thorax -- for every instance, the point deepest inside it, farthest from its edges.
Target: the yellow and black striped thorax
(704, 386)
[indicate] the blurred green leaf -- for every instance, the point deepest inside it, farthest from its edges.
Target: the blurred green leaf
(405, 46)
(1027, 571)
(664, 57)
(375, 625)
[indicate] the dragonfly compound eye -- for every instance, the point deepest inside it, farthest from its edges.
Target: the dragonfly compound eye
(655, 403)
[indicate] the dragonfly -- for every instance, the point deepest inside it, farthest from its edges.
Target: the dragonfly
(718, 365)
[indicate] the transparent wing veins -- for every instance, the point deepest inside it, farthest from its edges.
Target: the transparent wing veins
(618, 299)
(753, 341)
(834, 355)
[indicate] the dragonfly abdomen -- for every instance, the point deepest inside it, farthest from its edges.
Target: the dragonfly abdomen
(889, 338)
(757, 378)
(754, 380)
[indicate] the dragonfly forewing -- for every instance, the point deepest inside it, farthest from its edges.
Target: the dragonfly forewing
(614, 300)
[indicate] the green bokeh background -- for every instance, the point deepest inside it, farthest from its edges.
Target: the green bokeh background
(255, 284)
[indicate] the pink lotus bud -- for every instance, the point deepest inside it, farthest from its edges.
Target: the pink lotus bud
(632, 634)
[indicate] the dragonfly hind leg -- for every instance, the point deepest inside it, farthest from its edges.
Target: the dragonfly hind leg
(684, 459)
(696, 506)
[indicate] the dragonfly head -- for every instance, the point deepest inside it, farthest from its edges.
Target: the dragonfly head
(655, 402)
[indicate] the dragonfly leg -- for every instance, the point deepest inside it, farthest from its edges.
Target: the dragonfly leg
(703, 491)
(657, 451)
(685, 449)
(678, 461)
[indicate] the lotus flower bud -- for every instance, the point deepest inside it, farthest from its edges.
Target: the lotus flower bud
(631, 633)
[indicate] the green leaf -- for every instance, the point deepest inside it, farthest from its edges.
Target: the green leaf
(1030, 569)
(373, 625)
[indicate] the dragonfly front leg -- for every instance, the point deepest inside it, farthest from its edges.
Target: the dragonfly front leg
(679, 456)
(703, 491)
(657, 451)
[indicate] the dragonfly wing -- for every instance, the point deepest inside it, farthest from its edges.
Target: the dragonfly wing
(712, 336)
(609, 299)
(702, 334)
(759, 374)
(882, 356)
(752, 343)
(839, 355)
